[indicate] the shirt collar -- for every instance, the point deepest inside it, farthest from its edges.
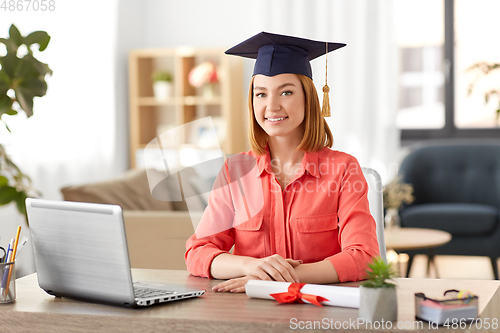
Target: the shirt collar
(309, 163)
(264, 162)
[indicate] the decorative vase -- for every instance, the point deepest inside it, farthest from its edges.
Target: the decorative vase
(392, 219)
(162, 90)
(377, 304)
(209, 90)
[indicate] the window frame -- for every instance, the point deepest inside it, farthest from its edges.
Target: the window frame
(449, 131)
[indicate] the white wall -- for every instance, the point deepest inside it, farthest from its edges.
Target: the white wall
(362, 76)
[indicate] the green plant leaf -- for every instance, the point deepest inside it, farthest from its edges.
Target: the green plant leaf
(7, 194)
(5, 104)
(38, 37)
(25, 99)
(9, 64)
(11, 46)
(3, 181)
(15, 35)
(379, 273)
(20, 202)
(40, 67)
(34, 86)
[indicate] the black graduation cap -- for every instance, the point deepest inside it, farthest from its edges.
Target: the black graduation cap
(279, 54)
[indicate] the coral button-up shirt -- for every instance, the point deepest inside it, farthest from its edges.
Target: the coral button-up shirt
(322, 214)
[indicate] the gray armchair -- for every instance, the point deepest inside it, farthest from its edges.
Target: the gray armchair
(457, 189)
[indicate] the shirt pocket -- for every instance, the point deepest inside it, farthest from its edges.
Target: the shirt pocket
(250, 238)
(317, 237)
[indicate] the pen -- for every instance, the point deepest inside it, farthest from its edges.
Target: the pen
(13, 257)
(21, 245)
(6, 271)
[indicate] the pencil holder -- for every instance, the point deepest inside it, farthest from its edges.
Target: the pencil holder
(7, 282)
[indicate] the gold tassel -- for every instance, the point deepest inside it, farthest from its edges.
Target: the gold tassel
(325, 110)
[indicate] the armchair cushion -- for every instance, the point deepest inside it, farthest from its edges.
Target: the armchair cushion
(459, 219)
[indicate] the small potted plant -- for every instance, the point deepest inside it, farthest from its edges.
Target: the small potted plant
(378, 299)
(162, 85)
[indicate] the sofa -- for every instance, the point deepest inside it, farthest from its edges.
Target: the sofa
(456, 189)
(156, 230)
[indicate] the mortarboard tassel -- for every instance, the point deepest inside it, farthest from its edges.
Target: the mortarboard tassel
(325, 110)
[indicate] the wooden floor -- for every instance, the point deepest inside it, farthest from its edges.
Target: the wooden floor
(449, 267)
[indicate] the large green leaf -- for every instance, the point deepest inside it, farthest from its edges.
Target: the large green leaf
(25, 99)
(38, 37)
(35, 86)
(5, 104)
(15, 35)
(40, 67)
(9, 64)
(25, 69)
(11, 46)
(21, 202)
(7, 194)
(3, 181)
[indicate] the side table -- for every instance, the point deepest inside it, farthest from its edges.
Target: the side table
(401, 239)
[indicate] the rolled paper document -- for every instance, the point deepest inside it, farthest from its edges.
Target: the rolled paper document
(335, 295)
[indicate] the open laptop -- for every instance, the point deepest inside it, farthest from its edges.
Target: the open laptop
(81, 252)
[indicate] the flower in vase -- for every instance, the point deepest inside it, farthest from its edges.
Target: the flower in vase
(204, 73)
(396, 192)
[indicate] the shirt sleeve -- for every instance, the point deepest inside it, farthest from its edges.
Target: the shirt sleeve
(356, 226)
(214, 234)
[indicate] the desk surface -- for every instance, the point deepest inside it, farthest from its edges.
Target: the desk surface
(415, 238)
(36, 311)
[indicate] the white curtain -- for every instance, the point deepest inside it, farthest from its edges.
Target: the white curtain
(362, 76)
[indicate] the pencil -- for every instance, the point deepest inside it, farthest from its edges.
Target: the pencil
(14, 250)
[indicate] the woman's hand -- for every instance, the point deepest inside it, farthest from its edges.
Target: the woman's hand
(274, 268)
(236, 285)
(270, 268)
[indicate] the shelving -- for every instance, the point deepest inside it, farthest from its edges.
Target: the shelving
(150, 117)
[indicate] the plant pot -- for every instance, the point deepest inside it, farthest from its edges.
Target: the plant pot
(162, 90)
(377, 304)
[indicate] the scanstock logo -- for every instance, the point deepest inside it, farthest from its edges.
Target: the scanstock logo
(201, 176)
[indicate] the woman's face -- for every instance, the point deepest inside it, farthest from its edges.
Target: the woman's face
(279, 105)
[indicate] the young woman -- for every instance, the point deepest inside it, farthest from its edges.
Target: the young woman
(301, 214)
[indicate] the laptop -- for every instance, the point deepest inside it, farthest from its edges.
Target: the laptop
(81, 252)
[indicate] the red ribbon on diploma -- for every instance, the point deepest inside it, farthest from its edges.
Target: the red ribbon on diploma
(293, 295)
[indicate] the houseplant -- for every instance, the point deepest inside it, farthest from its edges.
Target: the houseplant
(22, 77)
(378, 299)
(162, 85)
(486, 69)
(394, 194)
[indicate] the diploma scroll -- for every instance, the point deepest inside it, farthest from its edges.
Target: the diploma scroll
(336, 295)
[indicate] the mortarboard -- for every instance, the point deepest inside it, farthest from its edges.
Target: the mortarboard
(280, 54)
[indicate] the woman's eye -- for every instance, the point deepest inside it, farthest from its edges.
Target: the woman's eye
(286, 93)
(260, 95)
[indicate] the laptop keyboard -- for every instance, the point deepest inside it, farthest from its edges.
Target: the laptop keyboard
(140, 292)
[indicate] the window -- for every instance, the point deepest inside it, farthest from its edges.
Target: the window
(438, 41)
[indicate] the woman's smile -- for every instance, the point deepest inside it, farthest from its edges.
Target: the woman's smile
(276, 120)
